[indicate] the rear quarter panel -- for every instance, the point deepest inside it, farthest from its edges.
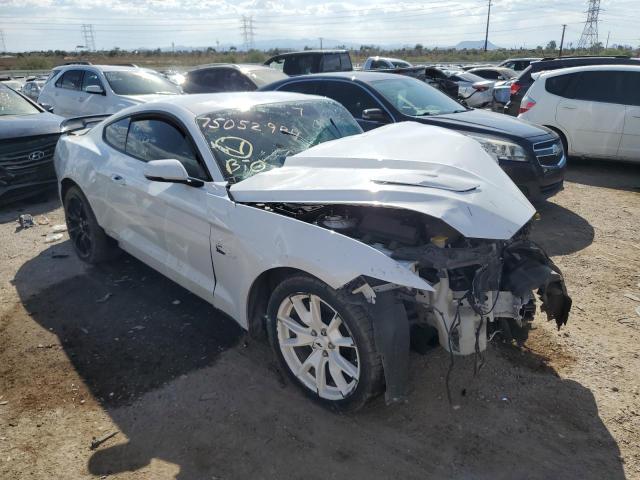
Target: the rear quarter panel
(78, 158)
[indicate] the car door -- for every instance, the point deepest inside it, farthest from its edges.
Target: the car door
(630, 142)
(93, 103)
(66, 93)
(592, 115)
(354, 98)
(164, 224)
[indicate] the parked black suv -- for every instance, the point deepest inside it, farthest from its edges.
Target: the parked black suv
(531, 155)
(524, 81)
(311, 61)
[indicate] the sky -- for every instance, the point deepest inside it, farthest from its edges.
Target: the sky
(131, 24)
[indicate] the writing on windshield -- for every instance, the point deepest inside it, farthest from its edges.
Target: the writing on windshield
(249, 141)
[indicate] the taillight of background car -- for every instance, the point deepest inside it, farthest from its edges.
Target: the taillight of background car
(515, 88)
(527, 104)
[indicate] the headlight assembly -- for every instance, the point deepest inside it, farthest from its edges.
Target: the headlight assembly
(502, 149)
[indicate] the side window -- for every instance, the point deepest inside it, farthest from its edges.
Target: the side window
(237, 82)
(488, 74)
(302, 64)
(353, 97)
(155, 139)
(561, 85)
(277, 64)
(90, 78)
(115, 134)
(310, 88)
(70, 80)
(631, 85)
(345, 62)
(377, 64)
(602, 86)
(331, 63)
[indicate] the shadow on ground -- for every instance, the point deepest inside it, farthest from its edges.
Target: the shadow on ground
(181, 386)
(604, 173)
(561, 231)
(39, 204)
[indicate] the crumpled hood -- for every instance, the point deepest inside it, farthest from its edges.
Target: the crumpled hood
(405, 165)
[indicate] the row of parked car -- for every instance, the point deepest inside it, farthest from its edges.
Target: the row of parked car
(587, 110)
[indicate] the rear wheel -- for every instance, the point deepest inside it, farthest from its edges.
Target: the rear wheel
(89, 240)
(324, 343)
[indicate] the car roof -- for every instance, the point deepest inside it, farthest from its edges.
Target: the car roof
(520, 59)
(591, 68)
(104, 68)
(305, 52)
(237, 66)
(202, 103)
(392, 59)
(357, 75)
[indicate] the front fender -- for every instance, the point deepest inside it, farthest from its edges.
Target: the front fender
(253, 241)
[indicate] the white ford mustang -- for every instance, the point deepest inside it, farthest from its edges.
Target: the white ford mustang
(276, 209)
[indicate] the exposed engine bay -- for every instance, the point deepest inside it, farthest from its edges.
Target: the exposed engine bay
(480, 286)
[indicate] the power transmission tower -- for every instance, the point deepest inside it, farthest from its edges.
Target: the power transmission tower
(3, 45)
(486, 35)
(89, 39)
(247, 32)
(589, 38)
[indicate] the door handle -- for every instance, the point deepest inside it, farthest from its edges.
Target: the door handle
(118, 179)
(568, 107)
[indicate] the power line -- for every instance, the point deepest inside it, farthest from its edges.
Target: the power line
(589, 37)
(87, 35)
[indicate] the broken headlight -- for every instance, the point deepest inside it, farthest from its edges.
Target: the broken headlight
(501, 149)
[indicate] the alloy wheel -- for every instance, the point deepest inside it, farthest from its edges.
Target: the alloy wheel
(78, 226)
(317, 346)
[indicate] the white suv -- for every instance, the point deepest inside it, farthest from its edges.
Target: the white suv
(79, 90)
(595, 109)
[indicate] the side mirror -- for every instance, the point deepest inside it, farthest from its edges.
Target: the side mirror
(47, 107)
(97, 89)
(170, 171)
(375, 115)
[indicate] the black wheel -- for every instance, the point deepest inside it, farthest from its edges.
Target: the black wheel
(89, 240)
(324, 342)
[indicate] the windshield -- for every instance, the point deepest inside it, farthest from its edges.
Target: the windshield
(12, 103)
(469, 77)
(416, 98)
(249, 141)
(400, 64)
(139, 83)
(264, 76)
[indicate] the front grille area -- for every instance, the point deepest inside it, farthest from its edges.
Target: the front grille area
(549, 153)
(27, 159)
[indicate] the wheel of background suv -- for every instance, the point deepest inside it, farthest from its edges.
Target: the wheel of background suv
(89, 240)
(324, 343)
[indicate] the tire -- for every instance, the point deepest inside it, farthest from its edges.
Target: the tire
(342, 343)
(89, 240)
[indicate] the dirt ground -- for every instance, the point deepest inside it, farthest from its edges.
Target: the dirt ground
(85, 352)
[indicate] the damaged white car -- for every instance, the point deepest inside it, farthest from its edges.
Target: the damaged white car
(276, 209)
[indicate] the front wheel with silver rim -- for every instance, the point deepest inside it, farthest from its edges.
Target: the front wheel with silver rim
(324, 342)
